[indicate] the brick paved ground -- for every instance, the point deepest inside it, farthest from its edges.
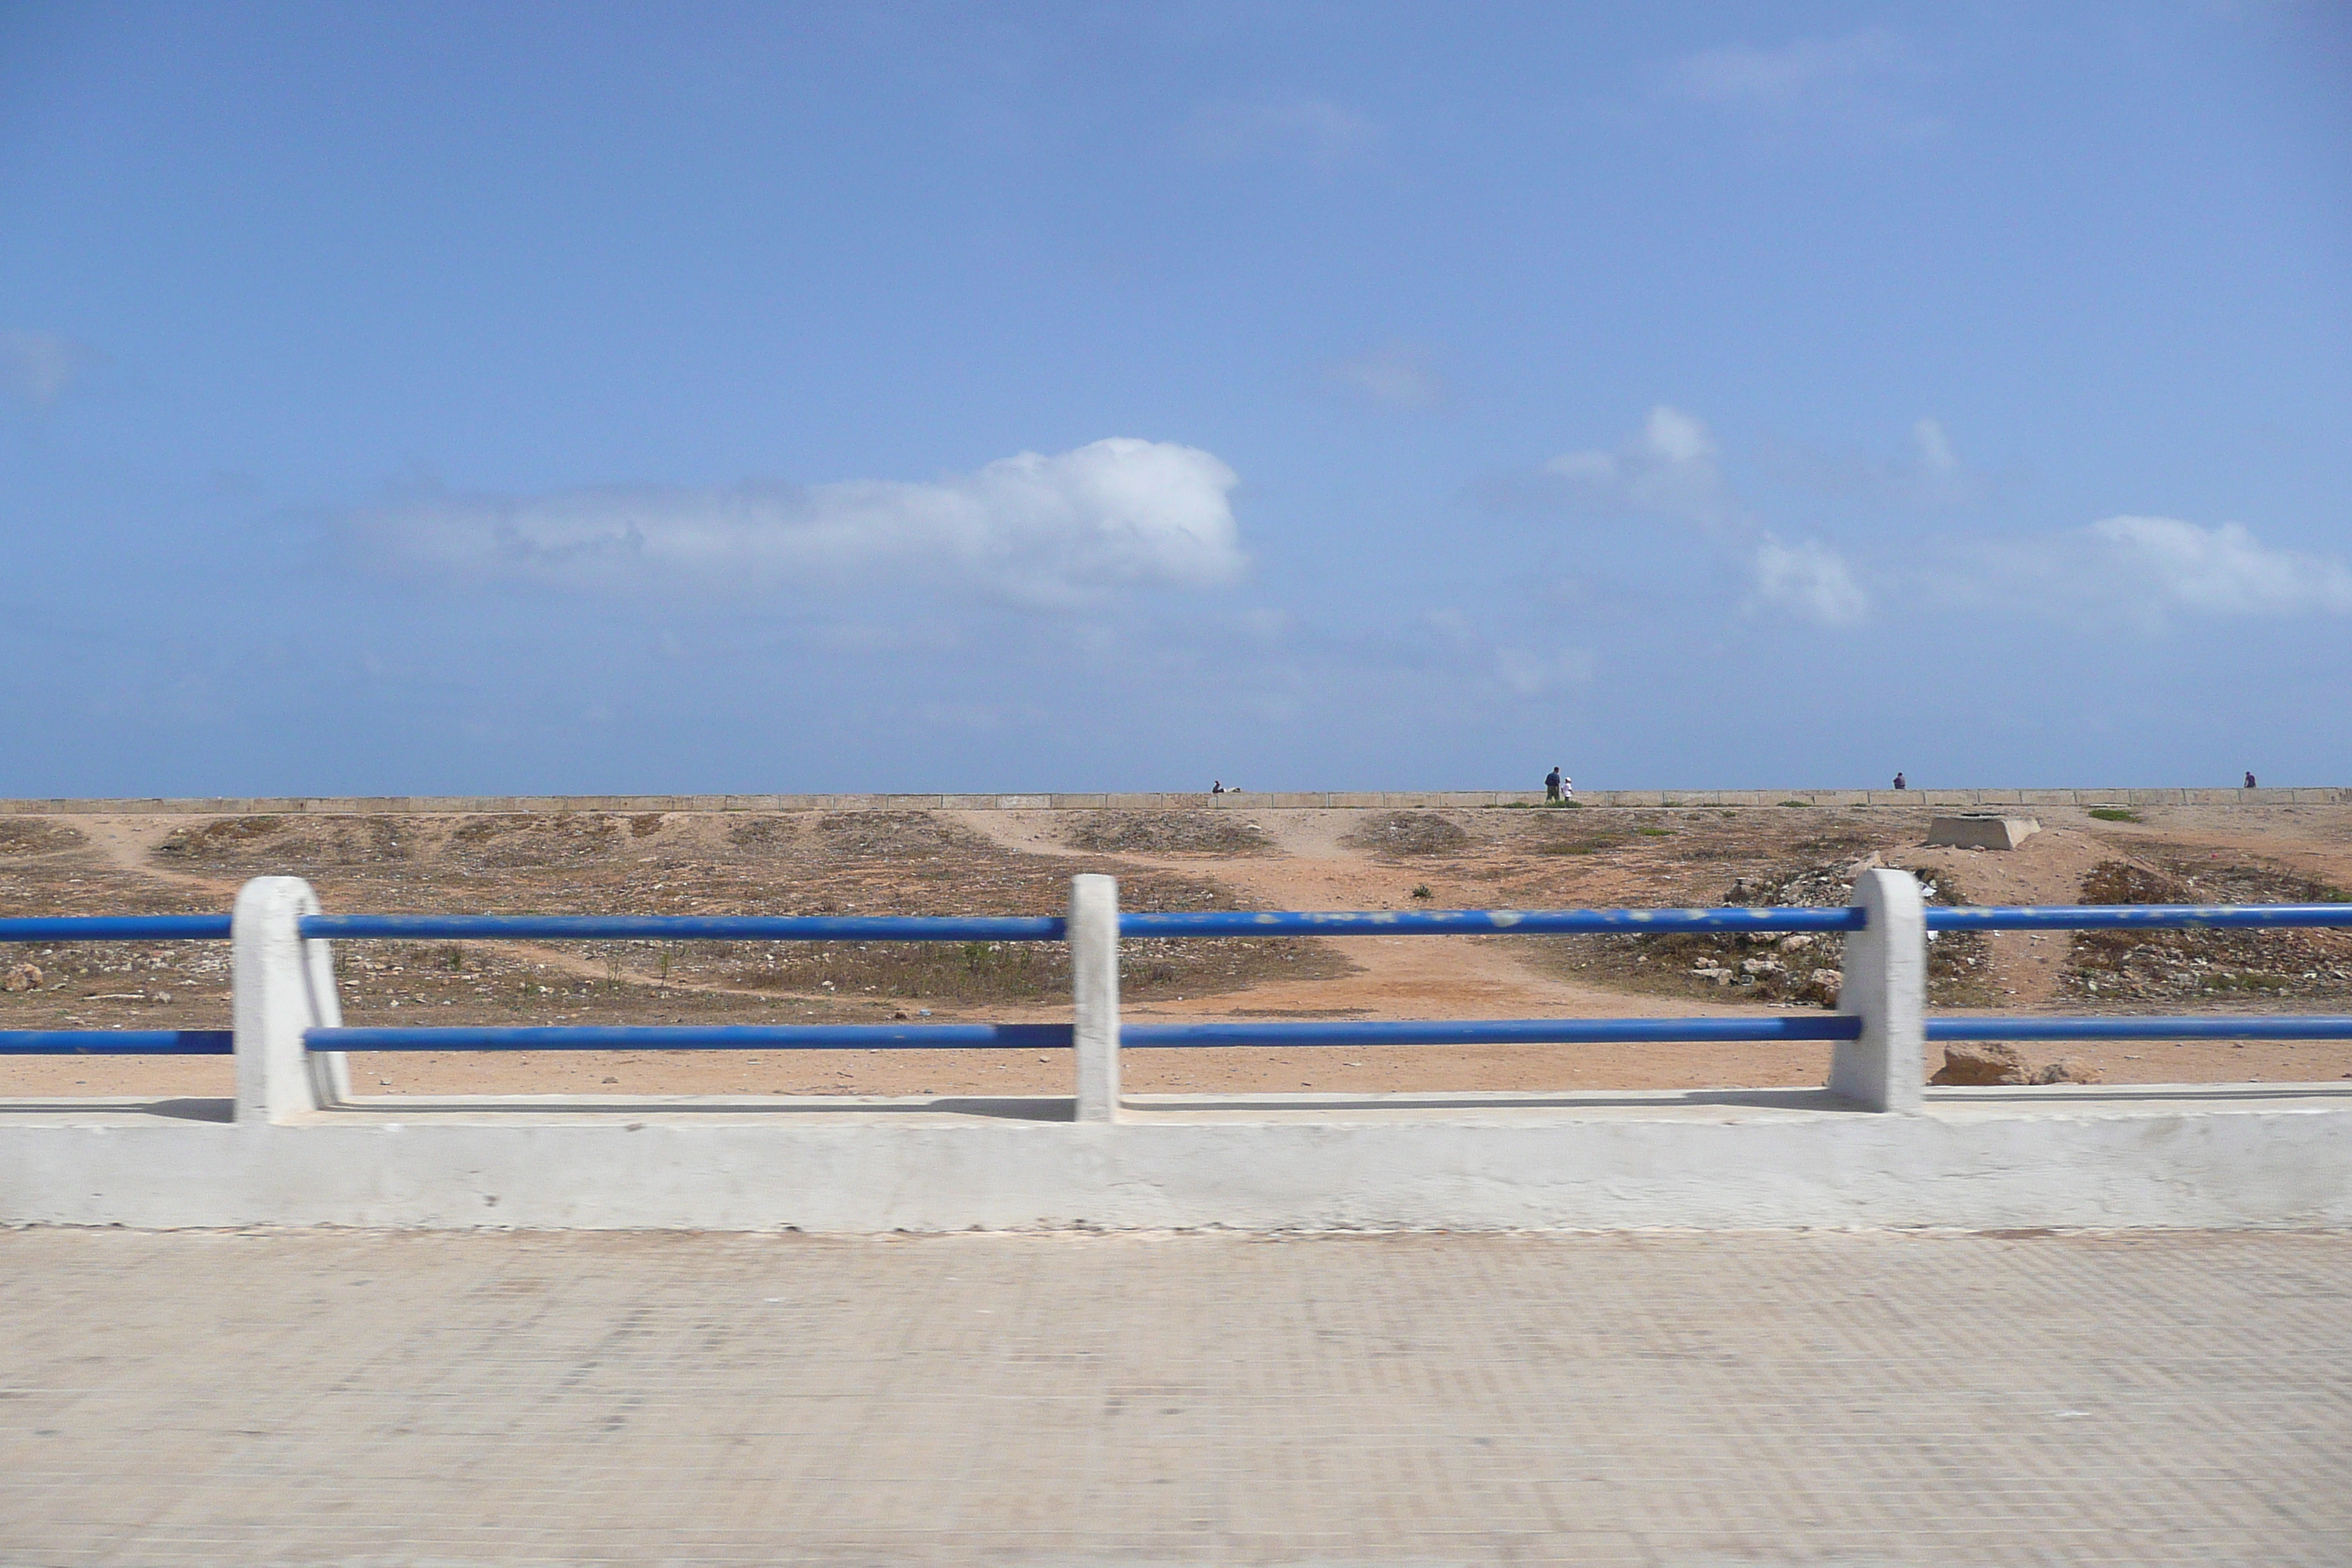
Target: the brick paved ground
(459, 1399)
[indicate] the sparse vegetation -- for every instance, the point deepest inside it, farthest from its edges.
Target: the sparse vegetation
(2114, 813)
(1167, 832)
(2154, 965)
(1588, 844)
(1408, 833)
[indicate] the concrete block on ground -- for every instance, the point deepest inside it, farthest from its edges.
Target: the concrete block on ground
(1982, 830)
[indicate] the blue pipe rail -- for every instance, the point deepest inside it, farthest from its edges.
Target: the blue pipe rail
(689, 927)
(2137, 917)
(117, 1043)
(2205, 1027)
(1495, 1032)
(115, 927)
(1466, 922)
(700, 1038)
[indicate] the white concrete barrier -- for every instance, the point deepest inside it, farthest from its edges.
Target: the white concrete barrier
(1094, 995)
(282, 985)
(1885, 984)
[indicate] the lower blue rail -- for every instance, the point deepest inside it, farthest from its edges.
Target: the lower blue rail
(2276, 1026)
(117, 1043)
(1045, 1036)
(1495, 1031)
(693, 1037)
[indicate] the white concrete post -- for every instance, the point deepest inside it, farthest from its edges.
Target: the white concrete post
(283, 986)
(1886, 985)
(1094, 993)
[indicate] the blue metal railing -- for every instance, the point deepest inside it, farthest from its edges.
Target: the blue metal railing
(117, 1043)
(1481, 922)
(2137, 917)
(1206, 923)
(2146, 1026)
(702, 1037)
(1497, 1031)
(115, 928)
(689, 927)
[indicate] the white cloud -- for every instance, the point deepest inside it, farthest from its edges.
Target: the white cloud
(2222, 571)
(1397, 376)
(1934, 448)
(1041, 530)
(39, 368)
(1672, 470)
(1810, 579)
(1668, 470)
(1745, 77)
(1849, 81)
(1929, 474)
(1539, 674)
(1324, 135)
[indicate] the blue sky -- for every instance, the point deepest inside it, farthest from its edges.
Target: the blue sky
(422, 399)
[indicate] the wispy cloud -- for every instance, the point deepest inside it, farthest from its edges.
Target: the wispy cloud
(1396, 376)
(2150, 571)
(40, 369)
(1811, 580)
(2224, 570)
(1928, 474)
(1326, 136)
(1671, 469)
(1036, 530)
(1674, 470)
(1852, 79)
(1530, 673)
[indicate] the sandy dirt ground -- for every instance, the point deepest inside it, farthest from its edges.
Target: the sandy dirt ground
(1007, 862)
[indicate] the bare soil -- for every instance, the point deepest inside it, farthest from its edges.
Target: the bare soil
(1020, 862)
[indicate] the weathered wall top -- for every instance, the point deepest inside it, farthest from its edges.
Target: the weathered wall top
(1237, 800)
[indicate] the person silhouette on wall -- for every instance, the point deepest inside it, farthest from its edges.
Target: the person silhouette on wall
(1899, 783)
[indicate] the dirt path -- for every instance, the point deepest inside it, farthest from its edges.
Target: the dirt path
(1400, 977)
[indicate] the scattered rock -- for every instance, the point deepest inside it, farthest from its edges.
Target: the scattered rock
(1991, 1062)
(1983, 1062)
(22, 977)
(1824, 984)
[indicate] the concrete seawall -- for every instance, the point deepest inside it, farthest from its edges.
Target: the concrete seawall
(1307, 800)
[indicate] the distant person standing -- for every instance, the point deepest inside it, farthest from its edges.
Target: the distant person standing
(1551, 782)
(1900, 784)
(1566, 788)
(2249, 781)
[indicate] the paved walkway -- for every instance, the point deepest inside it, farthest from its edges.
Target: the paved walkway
(414, 1399)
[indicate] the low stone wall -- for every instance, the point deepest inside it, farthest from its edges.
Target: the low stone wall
(1238, 800)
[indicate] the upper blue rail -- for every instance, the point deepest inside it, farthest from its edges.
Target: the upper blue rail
(1204, 923)
(115, 928)
(1456, 922)
(2136, 917)
(696, 928)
